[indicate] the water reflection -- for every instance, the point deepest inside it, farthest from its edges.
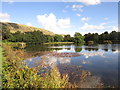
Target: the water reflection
(101, 60)
(71, 48)
(48, 60)
(116, 52)
(91, 49)
(51, 60)
(78, 49)
(90, 54)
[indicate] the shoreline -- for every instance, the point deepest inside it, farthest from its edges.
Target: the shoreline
(59, 43)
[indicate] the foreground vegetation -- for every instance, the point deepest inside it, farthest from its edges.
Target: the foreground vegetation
(17, 75)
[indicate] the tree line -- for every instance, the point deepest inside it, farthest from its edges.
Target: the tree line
(37, 37)
(101, 38)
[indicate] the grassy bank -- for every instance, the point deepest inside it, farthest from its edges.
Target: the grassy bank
(17, 75)
(0, 67)
(59, 43)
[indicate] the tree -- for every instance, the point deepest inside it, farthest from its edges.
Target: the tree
(58, 38)
(50, 38)
(91, 37)
(5, 33)
(18, 36)
(67, 38)
(78, 38)
(114, 35)
(35, 37)
(104, 36)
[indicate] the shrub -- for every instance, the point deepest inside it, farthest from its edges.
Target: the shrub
(90, 42)
(16, 74)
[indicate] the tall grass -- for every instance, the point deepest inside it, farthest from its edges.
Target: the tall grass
(18, 75)
(15, 74)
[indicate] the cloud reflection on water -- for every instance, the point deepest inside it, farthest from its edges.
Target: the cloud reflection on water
(51, 60)
(90, 54)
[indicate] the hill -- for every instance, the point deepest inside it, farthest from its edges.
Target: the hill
(13, 27)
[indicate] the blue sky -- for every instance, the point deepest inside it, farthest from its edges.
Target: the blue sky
(63, 17)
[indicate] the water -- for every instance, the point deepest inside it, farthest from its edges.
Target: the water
(101, 60)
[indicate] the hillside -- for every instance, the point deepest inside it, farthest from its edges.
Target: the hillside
(13, 27)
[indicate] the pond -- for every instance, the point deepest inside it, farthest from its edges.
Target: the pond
(101, 60)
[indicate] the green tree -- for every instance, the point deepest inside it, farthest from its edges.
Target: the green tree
(5, 33)
(67, 38)
(114, 35)
(78, 38)
(91, 37)
(58, 38)
(50, 38)
(104, 36)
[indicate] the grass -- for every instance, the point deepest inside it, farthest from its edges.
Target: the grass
(59, 43)
(25, 28)
(0, 66)
(18, 75)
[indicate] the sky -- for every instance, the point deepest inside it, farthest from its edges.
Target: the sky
(64, 17)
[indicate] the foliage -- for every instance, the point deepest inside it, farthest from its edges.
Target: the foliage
(54, 80)
(14, 74)
(0, 67)
(107, 42)
(37, 37)
(67, 38)
(104, 36)
(28, 37)
(50, 38)
(90, 42)
(5, 33)
(14, 27)
(78, 38)
(58, 38)
(112, 37)
(17, 75)
(91, 37)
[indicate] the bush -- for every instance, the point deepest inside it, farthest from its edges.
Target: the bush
(90, 42)
(107, 42)
(15, 74)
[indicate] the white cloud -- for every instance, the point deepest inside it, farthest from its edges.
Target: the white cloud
(106, 18)
(4, 17)
(63, 23)
(29, 24)
(87, 26)
(11, 1)
(77, 7)
(114, 28)
(50, 22)
(78, 15)
(90, 2)
(111, 28)
(85, 19)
